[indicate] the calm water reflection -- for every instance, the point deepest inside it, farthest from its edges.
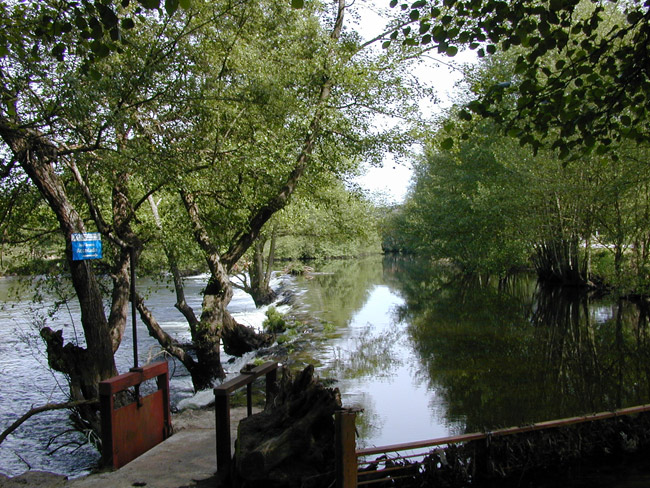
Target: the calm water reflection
(423, 353)
(426, 354)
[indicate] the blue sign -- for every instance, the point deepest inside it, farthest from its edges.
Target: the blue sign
(86, 246)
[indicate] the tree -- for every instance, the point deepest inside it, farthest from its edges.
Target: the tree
(199, 123)
(594, 92)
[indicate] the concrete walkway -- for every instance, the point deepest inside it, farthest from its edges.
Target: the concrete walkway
(186, 459)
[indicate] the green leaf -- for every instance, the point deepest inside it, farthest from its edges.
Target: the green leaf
(127, 24)
(298, 3)
(447, 144)
(414, 15)
(109, 19)
(149, 4)
(385, 44)
(3, 51)
(171, 6)
(94, 74)
(100, 49)
(393, 3)
(58, 51)
(476, 107)
(185, 4)
(452, 51)
(465, 115)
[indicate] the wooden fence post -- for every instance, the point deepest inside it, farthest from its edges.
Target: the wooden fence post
(222, 417)
(346, 455)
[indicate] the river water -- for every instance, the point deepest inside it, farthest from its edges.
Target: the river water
(422, 353)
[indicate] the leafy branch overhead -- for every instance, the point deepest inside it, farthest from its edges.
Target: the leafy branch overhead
(95, 26)
(581, 73)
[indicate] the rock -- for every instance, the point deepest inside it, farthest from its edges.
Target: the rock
(34, 478)
(202, 399)
(292, 440)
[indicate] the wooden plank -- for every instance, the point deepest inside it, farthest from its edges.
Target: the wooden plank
(222, 418)
(227, 387)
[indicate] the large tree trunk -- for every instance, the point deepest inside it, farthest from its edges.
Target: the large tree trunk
(84, 367)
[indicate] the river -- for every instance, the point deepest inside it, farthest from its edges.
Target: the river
(422, 353)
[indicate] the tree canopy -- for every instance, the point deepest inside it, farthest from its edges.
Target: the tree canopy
(581, 78)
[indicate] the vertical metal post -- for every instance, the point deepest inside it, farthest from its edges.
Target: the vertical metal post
(346, 455)
(222, 417)
(133, 311)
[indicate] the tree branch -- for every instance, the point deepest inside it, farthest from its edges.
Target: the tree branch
(43, 408)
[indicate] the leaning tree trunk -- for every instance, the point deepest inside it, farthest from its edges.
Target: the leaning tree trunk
(84, 367)
(216, 322)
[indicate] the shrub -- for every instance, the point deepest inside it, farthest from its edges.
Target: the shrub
(274, 322)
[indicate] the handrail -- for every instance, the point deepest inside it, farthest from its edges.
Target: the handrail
(348, 457)
(502, 432)
(222, 407)
(246, 377)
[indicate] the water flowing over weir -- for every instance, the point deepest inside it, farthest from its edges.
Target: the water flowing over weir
(423, 354)
(26, 380)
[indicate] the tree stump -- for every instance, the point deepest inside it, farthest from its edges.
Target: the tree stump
(290, 443)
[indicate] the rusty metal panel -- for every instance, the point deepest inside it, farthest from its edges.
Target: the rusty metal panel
(138, 428)
(131, 430)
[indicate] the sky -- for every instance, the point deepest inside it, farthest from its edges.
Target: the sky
(391, 181)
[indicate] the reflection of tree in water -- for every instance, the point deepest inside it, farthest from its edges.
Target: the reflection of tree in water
(340, 288)
(367, 355)
(506, 353)
(368, 422)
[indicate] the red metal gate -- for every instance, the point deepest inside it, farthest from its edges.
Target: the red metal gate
(130, 430)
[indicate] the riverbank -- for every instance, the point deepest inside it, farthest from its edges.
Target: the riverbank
(186, 459)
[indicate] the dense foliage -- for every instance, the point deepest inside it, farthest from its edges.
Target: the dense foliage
(550, 174)
(580, 75)
(491, 205)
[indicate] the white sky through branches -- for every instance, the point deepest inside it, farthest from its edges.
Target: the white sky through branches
(390, 182)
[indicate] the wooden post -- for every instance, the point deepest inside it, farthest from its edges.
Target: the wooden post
(222, 417)
(271, 384)
(249, 399)
(346, 455)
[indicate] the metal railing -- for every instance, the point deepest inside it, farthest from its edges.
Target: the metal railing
(222, 407)
(354, 469)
